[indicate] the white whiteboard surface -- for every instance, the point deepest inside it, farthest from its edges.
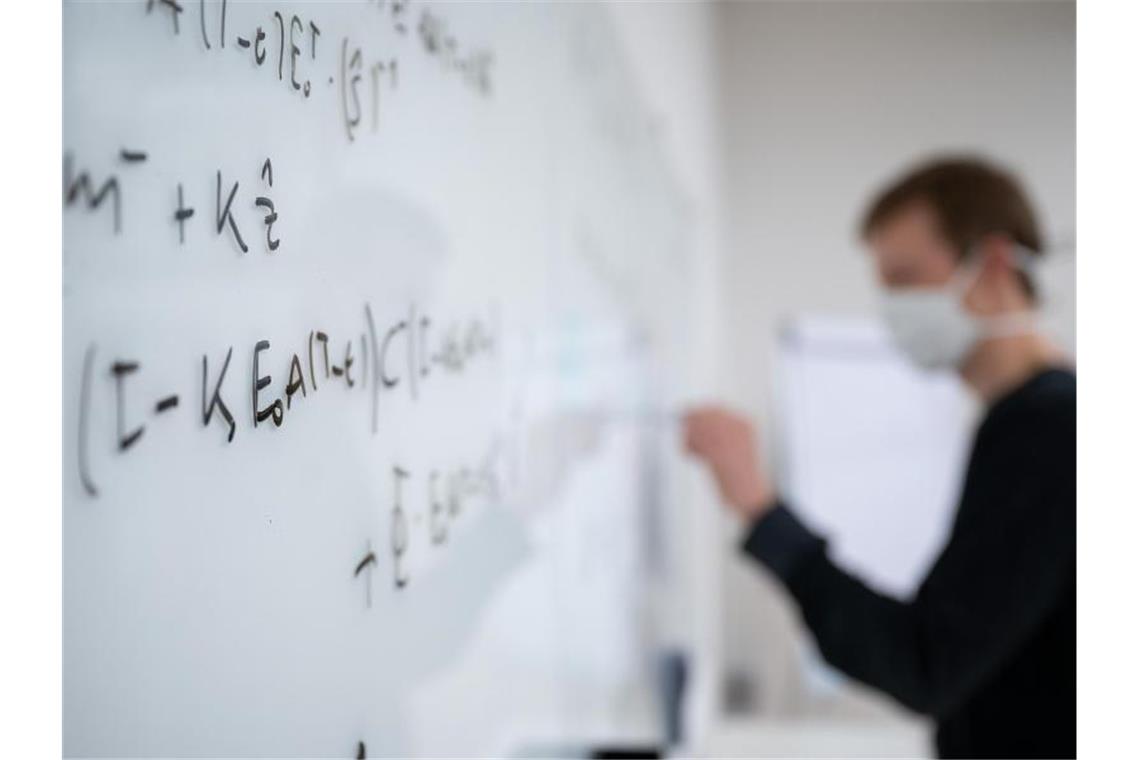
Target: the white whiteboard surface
(450, 556)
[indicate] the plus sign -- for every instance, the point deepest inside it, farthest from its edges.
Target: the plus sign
(181, 214)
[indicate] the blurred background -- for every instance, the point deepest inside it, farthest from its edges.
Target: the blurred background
(787, 116)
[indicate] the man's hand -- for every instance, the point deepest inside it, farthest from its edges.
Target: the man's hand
(727, 444)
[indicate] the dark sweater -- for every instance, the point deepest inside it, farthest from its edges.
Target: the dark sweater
(987, 646)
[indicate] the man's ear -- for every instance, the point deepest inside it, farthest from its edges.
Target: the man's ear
(997, 257)
(999, 268)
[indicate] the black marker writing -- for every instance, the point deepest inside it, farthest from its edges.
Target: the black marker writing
(312, 373)
(84, 411)
(258, 51)
(174, 7)
(437, 524)
(369, 558)
(413, 376)
(392, 331)
(281, 42)
(348, 363)
(271, 212)
(202, 21)
(276, 409)
(364, 359)
(350, 86)
(399, 529)
(126, 440)
(270, 217)
(224, 215)
(181, 214)
(425, 365)
(216, 401)
(314, 32)
(294, 51)
(375, 369)
(369, 562)
(75, 188)
(324, 339)
(296, 381)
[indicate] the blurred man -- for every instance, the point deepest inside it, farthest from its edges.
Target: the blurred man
(988, 644)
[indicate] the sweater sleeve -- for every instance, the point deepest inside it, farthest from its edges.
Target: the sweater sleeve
(1009, 560)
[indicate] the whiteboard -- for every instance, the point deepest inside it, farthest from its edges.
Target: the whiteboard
(354, 296)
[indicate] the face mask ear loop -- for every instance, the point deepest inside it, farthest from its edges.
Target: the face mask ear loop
(1002, 325)
(966, 275)
(1024, 261)
(970, 269)
(1029, 264)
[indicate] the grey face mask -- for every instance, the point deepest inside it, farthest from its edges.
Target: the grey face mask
(932, 327)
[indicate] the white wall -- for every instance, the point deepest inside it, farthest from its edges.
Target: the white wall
(820, 103)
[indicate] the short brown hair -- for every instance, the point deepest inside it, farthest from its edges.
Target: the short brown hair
(971, 198)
